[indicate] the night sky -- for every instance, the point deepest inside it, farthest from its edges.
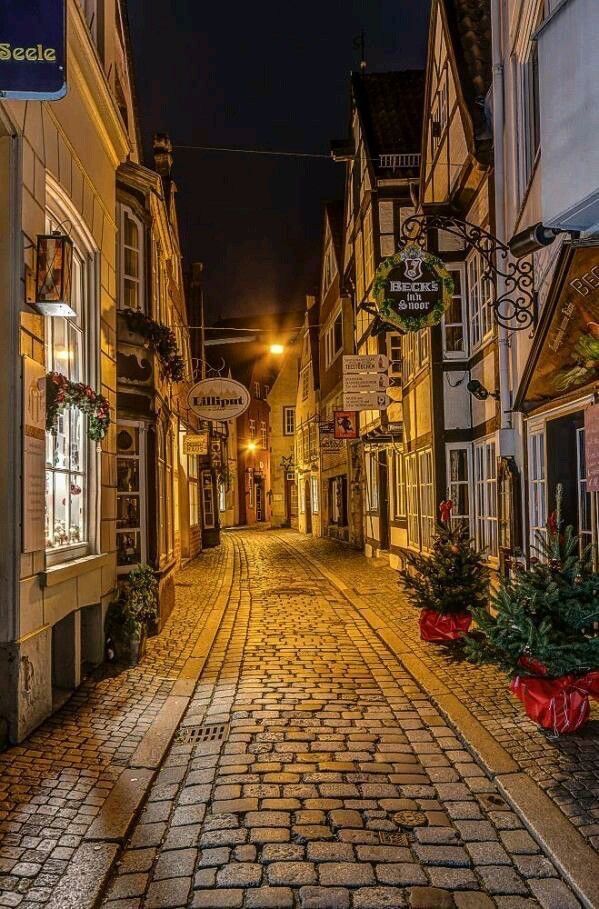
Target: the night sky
(259, 75)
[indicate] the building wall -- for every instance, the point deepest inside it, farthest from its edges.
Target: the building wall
(61, 158)
(282, 396)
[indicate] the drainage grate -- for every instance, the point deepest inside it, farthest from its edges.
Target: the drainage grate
(393, 839)
(195, 735)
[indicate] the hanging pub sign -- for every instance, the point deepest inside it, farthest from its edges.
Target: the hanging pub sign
(346, 424)
(33, 45)
(196, 443)
(412, 290)
(218, 399)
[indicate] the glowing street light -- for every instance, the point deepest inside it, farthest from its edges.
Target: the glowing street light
(252, 446)
(277, 349)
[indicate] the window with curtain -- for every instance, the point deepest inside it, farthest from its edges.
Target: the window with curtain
(458, 483)
(455, 335)
(480, 296)
(427, 498)
(67, 446)
(412, 500)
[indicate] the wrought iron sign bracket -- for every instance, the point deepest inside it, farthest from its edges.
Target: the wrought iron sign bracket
(515, 308)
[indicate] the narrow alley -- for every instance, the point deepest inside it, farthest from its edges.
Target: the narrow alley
(305, 768)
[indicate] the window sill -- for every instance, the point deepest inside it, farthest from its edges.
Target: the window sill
(56, 574)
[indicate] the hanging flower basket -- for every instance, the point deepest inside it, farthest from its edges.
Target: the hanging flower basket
(62, 393)
(560, 705)
(161, 339)
(439, 626)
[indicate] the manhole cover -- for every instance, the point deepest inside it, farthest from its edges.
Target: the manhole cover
(393, 839)
(194, 735)
(410, 818)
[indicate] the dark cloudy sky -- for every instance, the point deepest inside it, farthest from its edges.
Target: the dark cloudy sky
(259, 75)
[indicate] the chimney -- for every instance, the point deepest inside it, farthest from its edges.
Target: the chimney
(163, 154)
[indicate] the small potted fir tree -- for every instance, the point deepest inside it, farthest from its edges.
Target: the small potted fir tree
(447, 584)
(541, 631)
(130, 615)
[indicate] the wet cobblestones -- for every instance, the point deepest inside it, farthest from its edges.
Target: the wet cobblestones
(339, 784)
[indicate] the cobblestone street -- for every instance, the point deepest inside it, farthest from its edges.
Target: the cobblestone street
(309, 768)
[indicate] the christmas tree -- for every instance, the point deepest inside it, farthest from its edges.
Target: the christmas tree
(452, 579)
(542, 621)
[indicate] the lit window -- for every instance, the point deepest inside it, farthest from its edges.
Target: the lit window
(193, 475)
(480, 295)
(252, 425)
(315, 495)
(305, 382)
(66, 447)
(458, 483)
(485, 487)
(412, 500)
(427, 498)
(263, 434)
(131, 261)
(130, 522)
(398, 486)
(288, 421)
(537, 484)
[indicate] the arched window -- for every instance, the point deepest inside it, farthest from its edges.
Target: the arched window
(131, 261)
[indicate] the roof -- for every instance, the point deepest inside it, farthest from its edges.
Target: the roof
(334, 215)
(469, 24)
(390, 106)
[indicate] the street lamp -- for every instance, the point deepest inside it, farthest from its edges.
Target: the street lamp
(252, 446)
(277, 349)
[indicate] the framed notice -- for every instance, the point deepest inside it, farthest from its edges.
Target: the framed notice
(591, 444)
(34, 455)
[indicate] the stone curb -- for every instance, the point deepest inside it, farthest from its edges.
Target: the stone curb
(91, 866)
(572, 855)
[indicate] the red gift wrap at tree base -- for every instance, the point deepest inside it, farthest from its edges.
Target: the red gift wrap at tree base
(438, 626)
(560, 705)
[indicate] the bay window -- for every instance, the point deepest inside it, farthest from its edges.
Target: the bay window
(67, 468)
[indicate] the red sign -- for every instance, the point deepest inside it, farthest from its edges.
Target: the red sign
(591, 445)
(346, 424)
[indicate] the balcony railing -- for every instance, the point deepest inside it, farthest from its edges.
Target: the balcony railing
(399, 162)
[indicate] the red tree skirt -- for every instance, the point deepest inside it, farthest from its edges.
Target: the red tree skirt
(562, 704)
(435, 626)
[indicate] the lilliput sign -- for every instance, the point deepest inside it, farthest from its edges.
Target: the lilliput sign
(33, 49)
(218, 399)
(412, 289)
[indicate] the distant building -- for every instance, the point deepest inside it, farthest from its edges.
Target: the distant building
(307, 419)
(282, 402)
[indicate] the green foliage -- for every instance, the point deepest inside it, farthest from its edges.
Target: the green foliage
(453, 578)
(136, 605)
(163, 341)
(544, 615)
(62, 393)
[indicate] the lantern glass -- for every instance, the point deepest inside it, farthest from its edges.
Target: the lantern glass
(54, 275)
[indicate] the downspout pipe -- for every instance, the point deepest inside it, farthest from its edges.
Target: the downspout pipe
(506, 442)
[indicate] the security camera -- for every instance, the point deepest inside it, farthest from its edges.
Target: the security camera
(478, 391)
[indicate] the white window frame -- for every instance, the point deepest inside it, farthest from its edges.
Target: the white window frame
(426, 497)
(480, 299)
(457, 354)
(485, 496)
(372, 481)
(61, 210)
(305, 382)
(453, 484)
(193, 478)
(315, 494)
(397, 485)
(127, 212)
(394, 352)
(537, 484)
(263, 434)
(412, 507)
(289, 420)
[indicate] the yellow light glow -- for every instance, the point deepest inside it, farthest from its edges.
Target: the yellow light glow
(277, 349)
(252, 446)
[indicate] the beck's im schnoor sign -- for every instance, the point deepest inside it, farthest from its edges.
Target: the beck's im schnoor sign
(412, 290)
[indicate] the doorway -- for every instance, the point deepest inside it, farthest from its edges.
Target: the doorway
(260, 500)
(308, 504)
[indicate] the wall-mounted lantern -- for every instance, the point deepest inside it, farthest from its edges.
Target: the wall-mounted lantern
(54, 276)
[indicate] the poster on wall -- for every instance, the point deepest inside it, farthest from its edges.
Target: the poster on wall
(346, 424)
(34, 455)
(33, 60)
(591, 447)
(568, 354)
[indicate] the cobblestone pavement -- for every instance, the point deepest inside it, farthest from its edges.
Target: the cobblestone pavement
(54, 784)
(311, 771)
(566, 767)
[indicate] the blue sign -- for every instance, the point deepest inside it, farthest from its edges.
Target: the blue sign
(33, 49)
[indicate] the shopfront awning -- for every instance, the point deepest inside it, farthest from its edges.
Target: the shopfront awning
(565, 355)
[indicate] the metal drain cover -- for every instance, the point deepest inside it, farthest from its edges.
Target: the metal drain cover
(195, 735)
(393, 839)
(410, 818)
